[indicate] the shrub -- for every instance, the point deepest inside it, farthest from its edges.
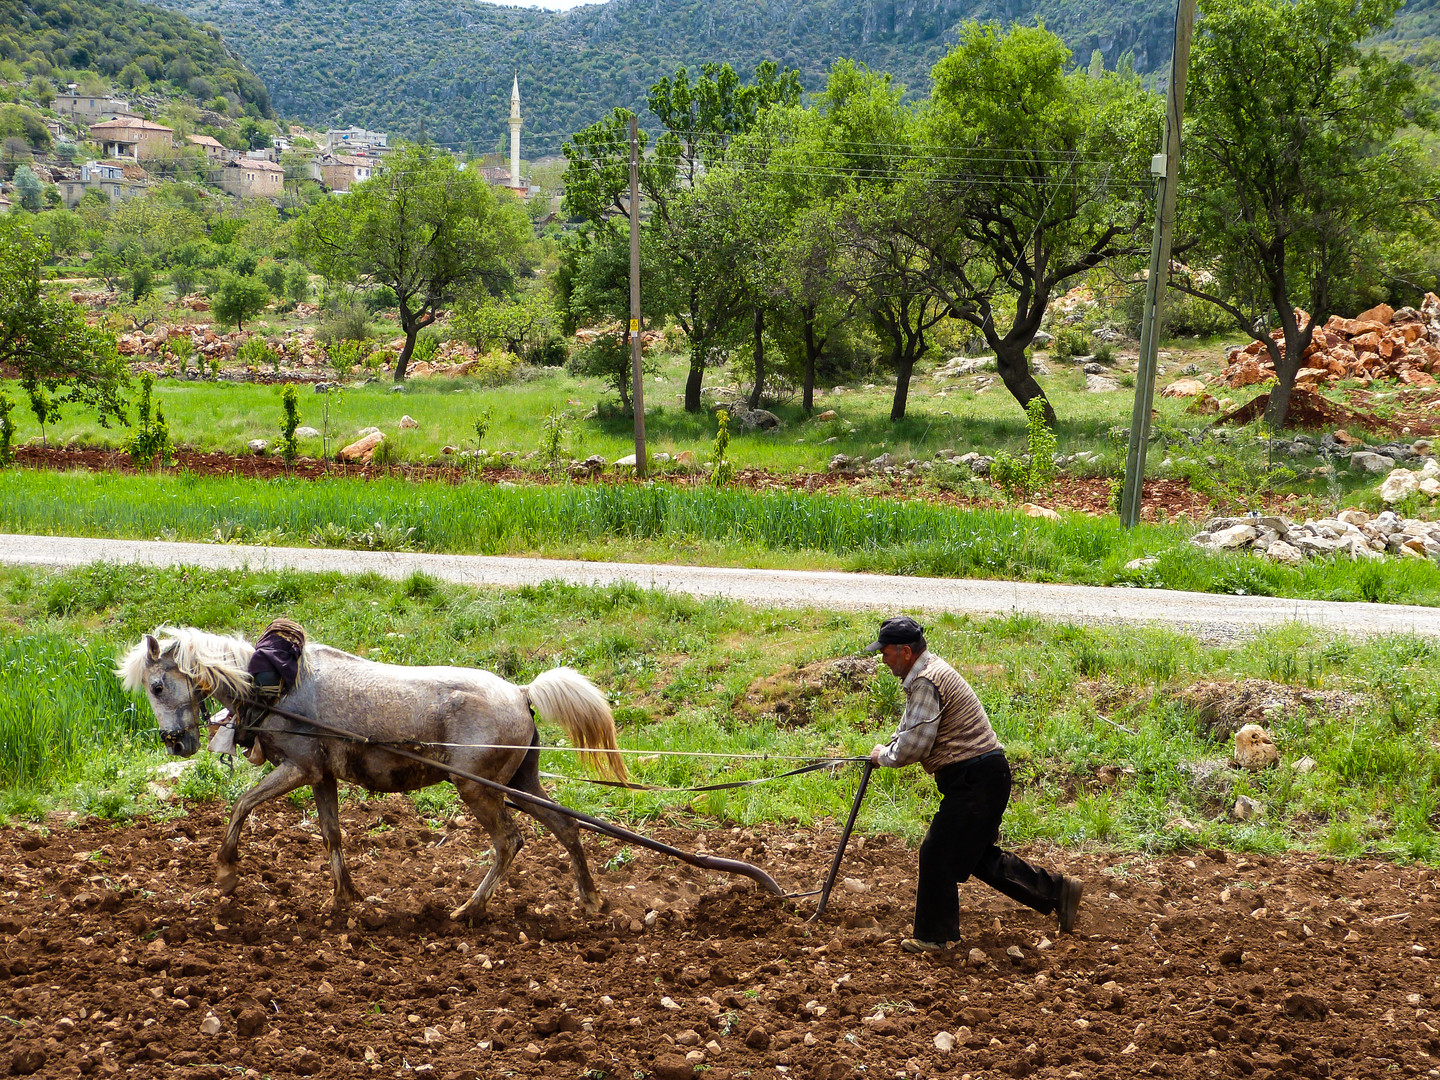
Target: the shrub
(381, 298)
(345, 356)
(297, 283)
(1070, 342)
(257, 352)
(273, 275)
(552, 352)
(724, 471)
(426, 347)
(495, 368)
(182, 279)
(1019, 478)
(347, 324)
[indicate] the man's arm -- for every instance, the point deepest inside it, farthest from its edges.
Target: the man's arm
(917, 728)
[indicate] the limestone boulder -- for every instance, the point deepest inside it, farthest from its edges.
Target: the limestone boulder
(363, 449)
(1255, 749)
(1399, 485)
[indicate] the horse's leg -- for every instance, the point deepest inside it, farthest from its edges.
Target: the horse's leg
(327, 805)
(489, 810)
(287, 777)
(566, 830)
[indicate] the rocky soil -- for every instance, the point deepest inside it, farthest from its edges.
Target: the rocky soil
(117, 958)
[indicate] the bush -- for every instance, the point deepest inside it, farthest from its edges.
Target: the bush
(182, 279)
(347, 324)
(1070, 343)
(1020, 478)
(257, 352)
(297, 284)
(151, 439)
(552, 352)
(273, 275)
(289, 421)
(381, 298)
(495, 368)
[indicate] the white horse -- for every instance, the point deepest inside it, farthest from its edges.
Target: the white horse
(384, 703)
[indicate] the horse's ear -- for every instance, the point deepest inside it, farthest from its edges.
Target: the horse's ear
(152, 648)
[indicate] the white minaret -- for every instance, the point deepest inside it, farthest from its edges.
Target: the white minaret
(515, 135)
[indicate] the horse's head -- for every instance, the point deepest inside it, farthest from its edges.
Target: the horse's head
(177, 699)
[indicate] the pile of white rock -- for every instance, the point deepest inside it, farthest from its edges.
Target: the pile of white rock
(1351, 533)
(1402, 483)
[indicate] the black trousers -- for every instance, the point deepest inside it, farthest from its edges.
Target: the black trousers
(961, 843)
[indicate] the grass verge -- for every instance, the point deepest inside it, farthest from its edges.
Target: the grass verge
(1105, 749)
(665, 523)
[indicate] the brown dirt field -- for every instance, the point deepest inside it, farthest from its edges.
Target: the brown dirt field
(1164, 499)
(114, 951)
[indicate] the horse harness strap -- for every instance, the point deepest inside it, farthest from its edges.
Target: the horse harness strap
(274, 669)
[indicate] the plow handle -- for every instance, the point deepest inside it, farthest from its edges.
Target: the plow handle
(866, 770)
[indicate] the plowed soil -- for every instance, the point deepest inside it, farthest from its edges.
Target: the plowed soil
(116, 957)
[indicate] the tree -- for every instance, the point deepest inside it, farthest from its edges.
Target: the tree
(237, 297)
(1032, 174)
(424, 228)
(1294, 176)
(46, 341)
(29, 188)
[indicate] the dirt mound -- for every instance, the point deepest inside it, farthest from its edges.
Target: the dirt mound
(116, 958)
(1223, 708)
(1314, 412)
(792, 695)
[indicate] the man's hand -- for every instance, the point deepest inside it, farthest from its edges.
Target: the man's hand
(876, 751)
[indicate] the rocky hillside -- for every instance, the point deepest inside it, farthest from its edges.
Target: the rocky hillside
(448, 63)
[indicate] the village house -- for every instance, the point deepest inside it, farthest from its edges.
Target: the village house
(116, 179)
(251, 179)
(216, 152)
(90, 106)
(339, 171)
(132, 137)
(351, 139)
(4, 205)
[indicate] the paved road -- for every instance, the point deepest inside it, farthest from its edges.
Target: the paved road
(1210, 615)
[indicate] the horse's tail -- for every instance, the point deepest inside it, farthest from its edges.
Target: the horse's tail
(565, 697)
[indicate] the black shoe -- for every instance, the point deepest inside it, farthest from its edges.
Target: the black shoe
(1068, 906)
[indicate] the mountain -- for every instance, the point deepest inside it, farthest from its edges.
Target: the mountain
(448, 64)
(128, 42)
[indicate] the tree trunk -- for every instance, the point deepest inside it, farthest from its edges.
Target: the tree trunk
(812, 354)
(1015, 373)
(696, 376)
(759, 353)
(403, 361)
(1277, 409)
(904, 366)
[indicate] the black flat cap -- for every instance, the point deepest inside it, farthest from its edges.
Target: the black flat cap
(901, 630)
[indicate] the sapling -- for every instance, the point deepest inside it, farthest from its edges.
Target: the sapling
(7, 430)
(289, 421)
(724, 470)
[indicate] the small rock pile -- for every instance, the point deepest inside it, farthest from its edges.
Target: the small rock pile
(1352, 533)
(1403, 483)
(1381, 343)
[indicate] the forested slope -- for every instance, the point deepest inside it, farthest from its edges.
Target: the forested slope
(126, 42)
(448, 63)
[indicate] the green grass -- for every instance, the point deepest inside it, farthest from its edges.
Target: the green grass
(669, 523)
(953, 413)
(690, 674)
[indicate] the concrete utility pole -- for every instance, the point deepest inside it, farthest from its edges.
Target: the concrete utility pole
(1166, 166)
(637, 393)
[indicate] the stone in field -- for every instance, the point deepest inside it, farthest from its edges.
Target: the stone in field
(1246, 809)
(1184, 388)
(210, 1025)
(944, 1042)
(1233, 537)
(408, 421)
(1255, 749)
(828, 414)
(1035, 511)
(362, 449)
(1100, 384)
(1400, 484)
(306, 433)
(1368, 462)
(1281, 552)
(978, 958)
(257, 446)
(1305, 765)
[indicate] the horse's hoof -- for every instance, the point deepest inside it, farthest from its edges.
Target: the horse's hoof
(466, 911)
(342, 901)
(593, 905)
(227, 879)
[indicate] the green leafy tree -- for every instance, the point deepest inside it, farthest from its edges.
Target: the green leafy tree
(46, 341)
(289, 422)
(150, 441)
(1028, 174)
(237, 297)
(29, 189)
(423, 228)
(1297, 174)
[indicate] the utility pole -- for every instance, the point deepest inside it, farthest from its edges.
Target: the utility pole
(637, 393)
(1166, 167)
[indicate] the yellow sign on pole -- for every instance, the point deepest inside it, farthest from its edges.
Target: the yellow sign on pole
(634, 326)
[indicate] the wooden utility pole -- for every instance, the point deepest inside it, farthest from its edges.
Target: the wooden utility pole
(637, 393)
(1166, 167)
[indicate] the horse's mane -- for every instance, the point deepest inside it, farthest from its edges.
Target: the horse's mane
(217, 663)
